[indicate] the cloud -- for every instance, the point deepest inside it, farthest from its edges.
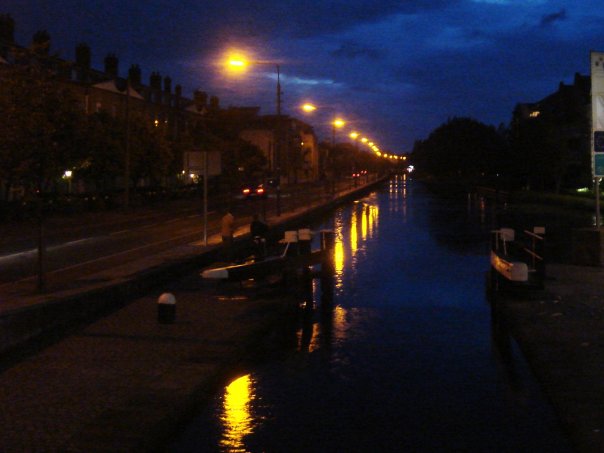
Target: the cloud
(412, 62)
(354, 50)
(550, 19)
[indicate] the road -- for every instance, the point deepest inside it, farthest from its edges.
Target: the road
(88, 242)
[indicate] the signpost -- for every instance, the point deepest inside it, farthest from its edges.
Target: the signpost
(597, 124)
(204, 163)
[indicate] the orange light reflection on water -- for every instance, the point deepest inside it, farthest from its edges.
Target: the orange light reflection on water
(354, 239)
(236, 416)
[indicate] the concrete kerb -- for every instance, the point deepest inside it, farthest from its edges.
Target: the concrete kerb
(64, 310)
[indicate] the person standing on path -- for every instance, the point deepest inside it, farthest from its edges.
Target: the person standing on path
(258, 227)
(258, 231)
(227, 231)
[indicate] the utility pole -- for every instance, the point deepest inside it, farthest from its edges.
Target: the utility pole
(127, 156)
(279, 141)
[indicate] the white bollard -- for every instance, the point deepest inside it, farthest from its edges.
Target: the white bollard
(166, 308)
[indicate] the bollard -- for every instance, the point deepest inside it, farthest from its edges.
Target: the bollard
(166, 308)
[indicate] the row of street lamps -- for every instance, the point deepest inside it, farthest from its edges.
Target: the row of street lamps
(236, 62)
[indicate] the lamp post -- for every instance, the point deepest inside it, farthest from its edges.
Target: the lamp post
(355, 171)
(239, 63)
(67, 176)
(337, 123)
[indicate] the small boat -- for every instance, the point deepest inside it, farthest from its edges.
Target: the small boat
(514, 261)
(251, 268)
(504, 259)
(296, 252)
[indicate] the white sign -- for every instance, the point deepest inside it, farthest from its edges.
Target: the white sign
(194, 163)
(597, 113)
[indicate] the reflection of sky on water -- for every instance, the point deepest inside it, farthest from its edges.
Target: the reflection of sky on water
(410, 263)
(401, 360)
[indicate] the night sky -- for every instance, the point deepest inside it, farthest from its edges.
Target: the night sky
(395, 70)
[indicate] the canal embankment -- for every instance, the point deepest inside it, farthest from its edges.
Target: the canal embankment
(560, 330)
(126, 382)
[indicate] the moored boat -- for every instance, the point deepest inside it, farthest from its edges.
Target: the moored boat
(515, 262)
(296, 251)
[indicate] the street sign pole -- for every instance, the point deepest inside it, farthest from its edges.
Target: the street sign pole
(205, 198)
(597, 189)
(597, 125)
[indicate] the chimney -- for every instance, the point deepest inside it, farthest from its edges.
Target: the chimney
(214, 104)
(7, 29)
(41, 42)
(134, 73)
(82, 52)
(201, 99)
(155, 81)
(111, 65)
(167, 84)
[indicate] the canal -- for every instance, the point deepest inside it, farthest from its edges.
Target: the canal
(403, 359)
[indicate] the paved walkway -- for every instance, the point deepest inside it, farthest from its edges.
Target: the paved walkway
(561, 332)
(126, 382)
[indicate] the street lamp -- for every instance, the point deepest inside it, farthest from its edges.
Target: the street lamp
(240, 63)
(337, 123)
(67, 176)
(309, 108)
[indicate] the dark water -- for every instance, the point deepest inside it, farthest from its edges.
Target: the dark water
(404, 360)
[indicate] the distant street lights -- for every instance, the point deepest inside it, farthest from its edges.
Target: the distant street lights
(67, 176)
(336, 123)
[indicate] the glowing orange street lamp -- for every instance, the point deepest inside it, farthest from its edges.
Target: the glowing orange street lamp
(238, 63)
(308, 108)
(337, 123)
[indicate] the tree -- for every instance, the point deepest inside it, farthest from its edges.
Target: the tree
(150, 152)
(40, 129)
(39, 135)
(103, 142)
(240, 159)
(462, 148)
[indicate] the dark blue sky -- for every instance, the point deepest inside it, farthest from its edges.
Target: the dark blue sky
(394, 69)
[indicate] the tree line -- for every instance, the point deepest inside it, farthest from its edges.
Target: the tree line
(543, 153)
